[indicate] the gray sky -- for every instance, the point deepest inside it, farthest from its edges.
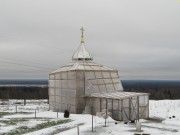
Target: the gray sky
(140, 38)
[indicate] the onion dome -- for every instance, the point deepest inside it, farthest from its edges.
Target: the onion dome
(81, 54)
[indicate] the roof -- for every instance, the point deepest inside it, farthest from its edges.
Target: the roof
(117, 95)
(83, 66)
(82, 60)
(81, 54)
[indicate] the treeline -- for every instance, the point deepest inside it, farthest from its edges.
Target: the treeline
(158, 94)
(158, 89)
(23, 92)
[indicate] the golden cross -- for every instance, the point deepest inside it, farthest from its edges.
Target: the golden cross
(82, 35)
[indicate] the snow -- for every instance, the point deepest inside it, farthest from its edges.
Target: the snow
(164, 110)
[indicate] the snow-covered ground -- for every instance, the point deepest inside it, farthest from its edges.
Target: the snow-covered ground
(167, 110)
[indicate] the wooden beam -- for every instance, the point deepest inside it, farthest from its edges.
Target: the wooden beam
(129, 108)
(138, 108)
(122, 109)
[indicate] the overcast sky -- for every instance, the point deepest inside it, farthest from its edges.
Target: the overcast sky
(140, 38)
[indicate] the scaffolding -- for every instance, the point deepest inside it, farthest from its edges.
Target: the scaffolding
(69, 84)
(83, 83)
(123, 106)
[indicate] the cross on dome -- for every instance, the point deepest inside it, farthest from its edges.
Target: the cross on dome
(81, 53)
(82, 34)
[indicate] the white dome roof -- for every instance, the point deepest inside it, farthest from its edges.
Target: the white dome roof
(82, 54)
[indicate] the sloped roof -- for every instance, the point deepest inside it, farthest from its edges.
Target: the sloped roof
(82, 60)
(117, 95)
(83, 66)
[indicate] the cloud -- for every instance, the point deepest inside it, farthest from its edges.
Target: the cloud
(140, 38)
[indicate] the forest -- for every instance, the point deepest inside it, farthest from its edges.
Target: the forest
(23, 92)
(158, 90)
